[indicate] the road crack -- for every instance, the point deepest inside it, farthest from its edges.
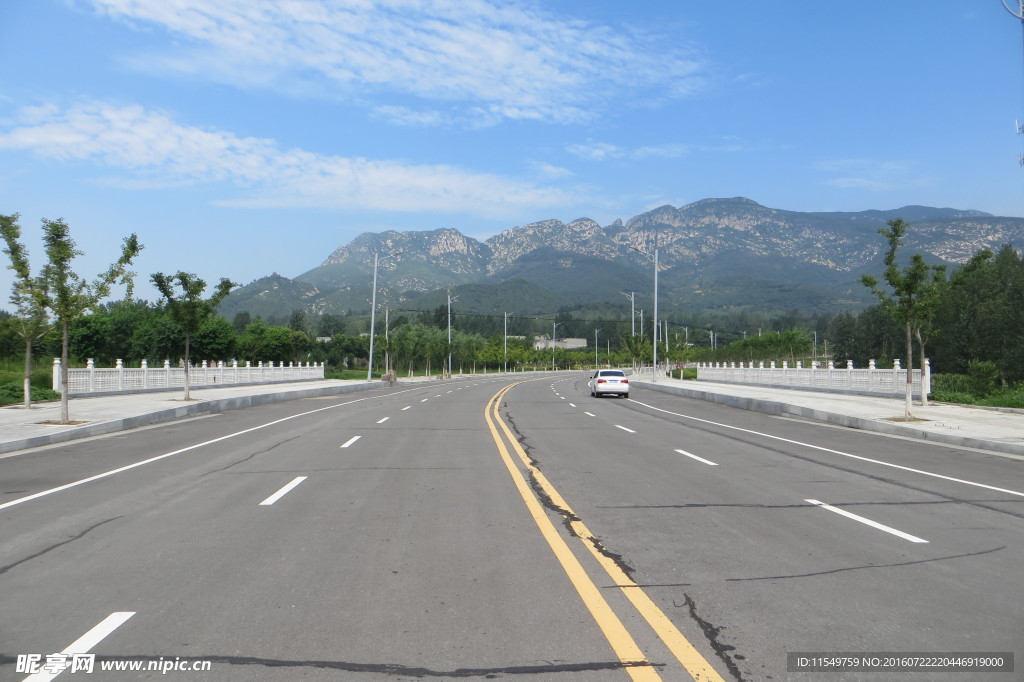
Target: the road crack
(4, 569)
(246, 459)
(712, 632)
(860, 568)
(570, 519)
(383, 668)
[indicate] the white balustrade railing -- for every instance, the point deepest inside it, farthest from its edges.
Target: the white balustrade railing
(820, 378)
(92, 379)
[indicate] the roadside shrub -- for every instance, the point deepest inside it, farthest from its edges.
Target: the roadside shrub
(953, 397)
(950, 383)
(983, 377)
(1007, 397)
(12, 393)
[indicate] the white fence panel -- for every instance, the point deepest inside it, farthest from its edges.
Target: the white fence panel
(92, 379)
(872, 380)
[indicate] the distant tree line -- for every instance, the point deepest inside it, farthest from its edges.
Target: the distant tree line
(978, 318)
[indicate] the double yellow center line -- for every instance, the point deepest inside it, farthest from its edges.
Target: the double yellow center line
(633, 659)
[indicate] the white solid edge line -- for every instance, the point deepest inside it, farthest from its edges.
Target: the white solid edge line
(624, 428)
(869, 522)
(834, 452)
(699, 459)
(83, 644)
(351, 440)
(283, 491)
(381, 421)
(58, 488)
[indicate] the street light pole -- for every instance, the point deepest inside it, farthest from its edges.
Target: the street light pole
(506, 343)
(654, 369)
(373, 317)
(595, 350)
(373, 309)
(632, 309)
(554, 325)
(450, 299)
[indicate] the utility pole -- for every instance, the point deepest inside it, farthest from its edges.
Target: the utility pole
(596, 362)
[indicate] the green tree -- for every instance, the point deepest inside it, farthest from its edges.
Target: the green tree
(250, 343)
(241, 321)
(215, 340)
(916, 291)
(28, 294)
(331, 325)
(301, 345)
(278, 344)
(69, 296)
(156, 338)
(90, 337)
(982, 315)
(637, 346)
(297, 321)
(188, 309)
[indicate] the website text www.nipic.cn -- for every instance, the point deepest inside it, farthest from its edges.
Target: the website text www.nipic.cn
(32, 664)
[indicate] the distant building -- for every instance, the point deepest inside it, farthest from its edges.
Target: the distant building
(545, 343)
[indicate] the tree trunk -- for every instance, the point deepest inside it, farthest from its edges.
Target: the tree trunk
(910, 373)
(28, 373)
(64, 413)
(187, 339)
(920, 346)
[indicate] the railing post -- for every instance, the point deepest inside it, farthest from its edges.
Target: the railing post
(119, 365)
(145, 373)
(56, 374)
(90, 366)
(926, 380)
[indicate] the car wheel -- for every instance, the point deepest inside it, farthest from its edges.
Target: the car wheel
(625, 395)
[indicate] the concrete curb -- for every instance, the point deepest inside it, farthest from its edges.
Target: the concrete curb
(180, 412)
(876, 425)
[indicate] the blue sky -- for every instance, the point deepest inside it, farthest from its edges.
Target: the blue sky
(244, 137)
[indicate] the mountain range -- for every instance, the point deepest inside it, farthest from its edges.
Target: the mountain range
(712, 253)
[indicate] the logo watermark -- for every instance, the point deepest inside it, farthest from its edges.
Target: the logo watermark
(55, 664)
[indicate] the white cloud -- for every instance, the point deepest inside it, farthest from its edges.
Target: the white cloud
(546, 170)
(596, 151)
(667, 151)
(154, 151)
(499, 59)
(404, 116)
(602, 151)
(870, 174)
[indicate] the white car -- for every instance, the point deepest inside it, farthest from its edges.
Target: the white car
(612, 381)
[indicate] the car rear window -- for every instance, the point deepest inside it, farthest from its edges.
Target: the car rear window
(612, 373)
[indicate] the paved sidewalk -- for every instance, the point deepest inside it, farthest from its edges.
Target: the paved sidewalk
(986, 429)
(975, 427)
(21, 428)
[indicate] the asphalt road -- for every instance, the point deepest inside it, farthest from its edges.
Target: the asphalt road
(430, 532)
